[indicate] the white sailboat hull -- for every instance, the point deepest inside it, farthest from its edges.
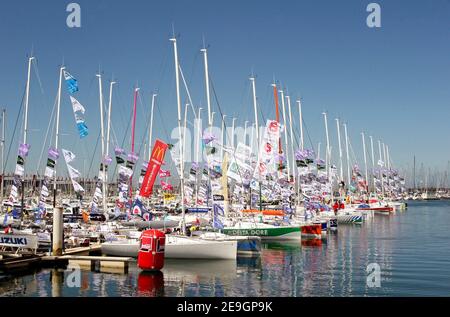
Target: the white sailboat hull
(178, 248)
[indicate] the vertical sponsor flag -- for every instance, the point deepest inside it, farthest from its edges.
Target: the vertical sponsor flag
(78, 111)
(71, 82)
(153, 167)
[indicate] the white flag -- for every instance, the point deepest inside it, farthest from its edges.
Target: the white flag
(68, 156)
(77, 187)
(76, 105)
(73, 172)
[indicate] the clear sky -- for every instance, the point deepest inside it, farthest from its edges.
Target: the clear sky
(391, 82)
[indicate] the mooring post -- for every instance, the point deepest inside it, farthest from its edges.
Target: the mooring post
(57, 231)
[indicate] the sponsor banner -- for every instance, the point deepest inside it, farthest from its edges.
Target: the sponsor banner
(156, 159)
(18, 241)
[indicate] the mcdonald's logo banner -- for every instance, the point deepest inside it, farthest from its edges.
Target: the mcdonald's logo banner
(159, 150)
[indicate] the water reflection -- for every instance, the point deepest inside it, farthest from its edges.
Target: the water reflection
(412, 262)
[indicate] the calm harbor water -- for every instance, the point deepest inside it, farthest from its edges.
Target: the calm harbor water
(412, 249)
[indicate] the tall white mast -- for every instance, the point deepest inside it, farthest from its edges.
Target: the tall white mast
(151, 127)
(288, 98)
(108, 134)
(245, 132)
(27, 97)
(255, 108)
(373, 164)
(222, 136)
(100, 91)
(327, 150)
(177, 83)
(58, 106)
(285, 134)
(252, 79)
(199, 135)
(348, 156)
(301, 123)
(108, 129)
(232, 133)
(185, 127)
(385, 164)
(381, 174)
(365, 160)
(197, 149)
(341, 172)
(208, 99)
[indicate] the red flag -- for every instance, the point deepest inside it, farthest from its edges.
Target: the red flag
(159, 150)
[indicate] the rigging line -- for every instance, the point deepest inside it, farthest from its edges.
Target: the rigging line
(163, 67)
(14, 131)
(36, 72)
(225, 127)
(307, 134)
(187, 91)
(123, 141)
(93, 153)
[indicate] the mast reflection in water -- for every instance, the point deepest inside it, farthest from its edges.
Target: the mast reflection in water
(411, 248)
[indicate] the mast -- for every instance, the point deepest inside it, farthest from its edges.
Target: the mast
(61, 70)
(348, 155)
(381, 166)
(414, 173)
(133, 129)
(108, 129)
(373, 164)
(285, 134)
(252, 79)
(301, 123)
(102, 129)
(232, 133)
(107, 143)
(365, 161)
(177, 83)
(3, 156)
(27, 97)
(151, 127)
(341, 173)
(208, 98)
(385, 164)
(25, 130)
(185, 127)
(223, 136)
(288, 98)
(327, 150)
(245, 132)
(277, 115)
(199, 121)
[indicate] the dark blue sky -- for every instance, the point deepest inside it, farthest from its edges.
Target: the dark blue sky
(391, 82)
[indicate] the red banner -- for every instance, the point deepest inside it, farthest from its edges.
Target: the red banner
(159, 150)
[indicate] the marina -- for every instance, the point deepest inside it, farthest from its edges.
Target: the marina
(142, 160)
(408, 255)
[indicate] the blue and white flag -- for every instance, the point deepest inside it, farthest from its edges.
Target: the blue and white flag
(71, 82)
(78, 111)
(218, 210)
(217, 224)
